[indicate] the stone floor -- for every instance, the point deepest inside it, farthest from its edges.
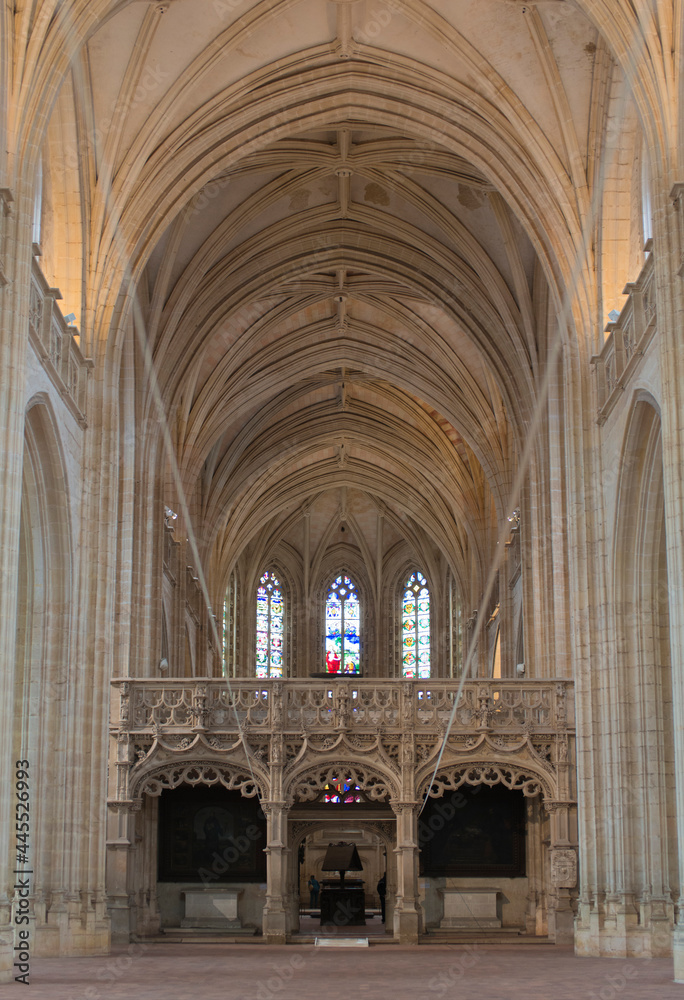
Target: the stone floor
(261, 972)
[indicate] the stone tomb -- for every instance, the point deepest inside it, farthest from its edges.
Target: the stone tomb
(215, 909)
(470, 909)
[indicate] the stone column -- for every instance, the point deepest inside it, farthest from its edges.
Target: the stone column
(669, 262)
(563, 874)
(408, 914)
(15, 263)
(292, 900)
(145, 916)
(120, 842)
(120, 820)
(277, 854)
(563, 829)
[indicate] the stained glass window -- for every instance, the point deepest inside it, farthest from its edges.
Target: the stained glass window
(416, 627)
(226, 612)
(342, 791)
(342, 626)
(269, 627)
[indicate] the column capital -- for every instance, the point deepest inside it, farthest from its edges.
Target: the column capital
(271, 807)
(400, 806)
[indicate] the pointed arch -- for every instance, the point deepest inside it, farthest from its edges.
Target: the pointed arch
(44, 626)
(308, 780)
(641, 679)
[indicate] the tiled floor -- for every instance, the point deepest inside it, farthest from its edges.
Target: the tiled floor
(392, 972)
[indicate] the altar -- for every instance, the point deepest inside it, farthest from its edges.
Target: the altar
(343, 901)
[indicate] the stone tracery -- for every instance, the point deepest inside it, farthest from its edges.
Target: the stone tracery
(487, 774)
(196, 773)
(307, 785)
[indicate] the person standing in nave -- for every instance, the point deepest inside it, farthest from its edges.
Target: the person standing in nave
(382, 893)
(314, 887)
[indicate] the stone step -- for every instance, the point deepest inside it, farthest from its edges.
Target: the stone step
(202, 935)
(372, 941)
(341, 942)
(505, 936)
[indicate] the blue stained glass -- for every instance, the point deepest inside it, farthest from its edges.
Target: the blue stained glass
(416, 626)
(342, 627)
(341, 792)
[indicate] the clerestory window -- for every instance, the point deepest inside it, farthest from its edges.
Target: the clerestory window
(416, 627)
(269, 626)
(342, 627)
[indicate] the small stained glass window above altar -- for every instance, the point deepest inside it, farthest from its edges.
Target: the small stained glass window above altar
(341, 792)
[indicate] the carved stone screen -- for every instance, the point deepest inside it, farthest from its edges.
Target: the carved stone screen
(210, 835)
(477, 831)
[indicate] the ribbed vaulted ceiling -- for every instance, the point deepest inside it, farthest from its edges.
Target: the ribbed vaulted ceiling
(348, 226)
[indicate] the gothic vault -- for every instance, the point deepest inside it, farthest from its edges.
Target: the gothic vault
(304, 304)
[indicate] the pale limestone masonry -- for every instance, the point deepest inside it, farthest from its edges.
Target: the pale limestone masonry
(323, 287)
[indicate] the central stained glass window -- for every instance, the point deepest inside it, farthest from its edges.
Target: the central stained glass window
(342, 626)
(269, 627)
(416, 627)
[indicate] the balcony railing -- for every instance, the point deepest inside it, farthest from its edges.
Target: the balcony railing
(55, 345)
(628, 338)
(296, 706)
